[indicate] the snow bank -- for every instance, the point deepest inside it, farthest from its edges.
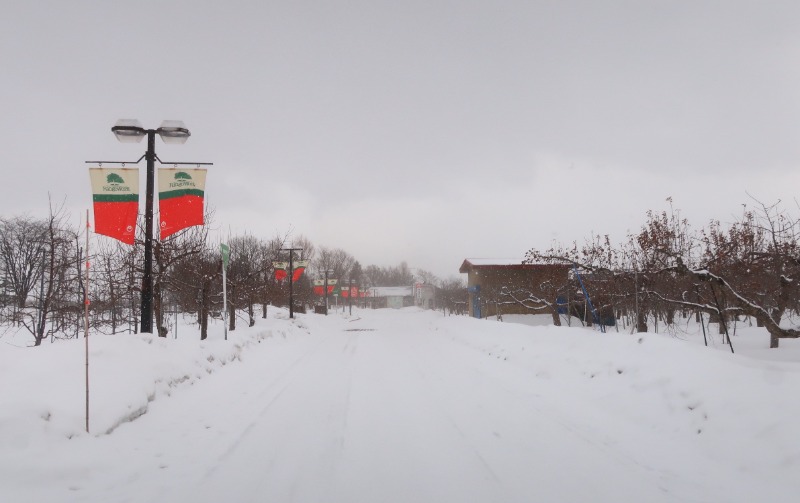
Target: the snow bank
(698, 420)
(44, 395)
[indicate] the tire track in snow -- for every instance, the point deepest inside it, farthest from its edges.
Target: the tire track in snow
(436, 402)
(280, 452)
(280, 381)
(413, 450)
(547, 411)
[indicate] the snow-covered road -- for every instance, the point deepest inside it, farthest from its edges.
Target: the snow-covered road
(392, 407)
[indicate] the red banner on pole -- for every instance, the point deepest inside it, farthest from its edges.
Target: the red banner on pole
(280, 270)
(180, 199)
(299, 267)
(115, 196)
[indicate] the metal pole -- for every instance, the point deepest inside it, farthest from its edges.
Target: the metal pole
(291, 275)
(291, 288)
(326, 292)
(589, 306)
(86, 321)
(225, 301)
(41, 316)
(146, 323)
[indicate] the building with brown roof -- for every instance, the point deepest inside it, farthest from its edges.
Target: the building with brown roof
(510, 286)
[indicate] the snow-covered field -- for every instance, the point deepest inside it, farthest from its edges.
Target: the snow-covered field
(402, 406)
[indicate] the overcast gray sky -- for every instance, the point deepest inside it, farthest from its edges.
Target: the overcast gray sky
(426, 131)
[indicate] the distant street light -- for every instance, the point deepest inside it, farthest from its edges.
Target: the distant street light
(327, 271)
(350, 295)
(131, 131)
(291, 278)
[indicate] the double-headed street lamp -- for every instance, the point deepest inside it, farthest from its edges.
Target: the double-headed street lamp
(350, 295)
(131, 131)
(327, 272)
(291, 251)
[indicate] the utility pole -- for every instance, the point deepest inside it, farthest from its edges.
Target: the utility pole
(327, 271)
(350, 295)
(291, 278)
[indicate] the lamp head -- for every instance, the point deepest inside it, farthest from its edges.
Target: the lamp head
(173, 132)
(128, 131)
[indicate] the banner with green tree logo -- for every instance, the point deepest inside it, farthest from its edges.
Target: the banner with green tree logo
(115, 198)
(180, 199)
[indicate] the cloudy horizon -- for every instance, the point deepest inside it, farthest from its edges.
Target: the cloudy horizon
(425, 132)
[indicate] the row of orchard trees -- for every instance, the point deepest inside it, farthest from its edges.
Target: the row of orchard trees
(42, 270)
(41, 285)
(42, 277)
(750, 268)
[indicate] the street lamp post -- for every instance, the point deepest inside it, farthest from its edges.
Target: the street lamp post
(131, 131)
(327, 271)
(291, 278)
(350, 295)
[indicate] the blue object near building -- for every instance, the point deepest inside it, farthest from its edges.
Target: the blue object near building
(476, 300)
(561, 305)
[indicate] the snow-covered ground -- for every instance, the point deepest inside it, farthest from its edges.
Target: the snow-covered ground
(402, 406)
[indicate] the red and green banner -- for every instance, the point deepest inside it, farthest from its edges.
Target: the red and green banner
(115, 196)
(180, 199)
(280, 270)
(299, 267)
(319, 286)
(351, 292)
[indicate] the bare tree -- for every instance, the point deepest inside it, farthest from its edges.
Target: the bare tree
(114, 285)
(270, 288)
(197, 283)
(23, 244)
(40, 268)
(746, 268)
(182, 247)
(248, 261)
(424, 276)
(333, 259)
(389, 276)
(453, 295)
